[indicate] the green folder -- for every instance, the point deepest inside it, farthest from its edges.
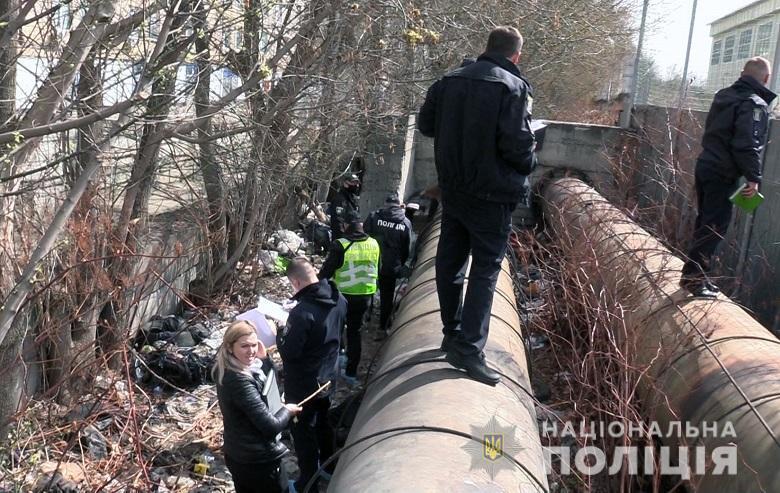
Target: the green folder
(747, 204)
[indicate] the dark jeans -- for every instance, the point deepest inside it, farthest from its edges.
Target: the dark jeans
(470, 225)
(313, 440)
(264, 477)
(386, 285)
(357, 305)
(712, 222)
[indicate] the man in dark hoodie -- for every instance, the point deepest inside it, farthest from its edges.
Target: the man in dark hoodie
(734, 136)
(344, 205)
(392, 230)
(480, 118)
(309, 346)
(353, 263)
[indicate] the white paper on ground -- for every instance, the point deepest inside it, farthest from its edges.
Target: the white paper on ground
(264, 331)
(271, 309)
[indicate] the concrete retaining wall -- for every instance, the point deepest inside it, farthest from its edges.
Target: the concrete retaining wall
(639, 172)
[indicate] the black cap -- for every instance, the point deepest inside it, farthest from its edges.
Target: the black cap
(393, 199)
(353, 217)
(352, 177)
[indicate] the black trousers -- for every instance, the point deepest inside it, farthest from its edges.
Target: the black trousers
(313, 440)
(357, 305)
(386, 285)
(264, 477)
(481, 228)
(712, 222)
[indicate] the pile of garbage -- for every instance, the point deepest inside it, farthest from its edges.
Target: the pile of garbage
(175, 352)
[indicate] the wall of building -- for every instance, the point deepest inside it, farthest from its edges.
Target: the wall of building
(751, 31)
(172, 256)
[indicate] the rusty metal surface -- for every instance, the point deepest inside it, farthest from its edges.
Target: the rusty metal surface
(707, 361)
(434, 405)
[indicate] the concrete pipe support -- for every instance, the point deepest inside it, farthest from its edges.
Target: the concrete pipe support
(422, 424)
(709, 365)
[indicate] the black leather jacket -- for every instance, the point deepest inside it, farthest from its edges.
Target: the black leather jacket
(736, 131)
(250, 428)
(480, 118)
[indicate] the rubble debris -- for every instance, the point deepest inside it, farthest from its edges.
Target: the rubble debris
(285, 242)
(55, 483)
(538, 341)
(93, 442)
(319, 236)
(167, 366)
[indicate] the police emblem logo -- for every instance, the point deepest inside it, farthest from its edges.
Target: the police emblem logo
(756, 114)
(493, 446)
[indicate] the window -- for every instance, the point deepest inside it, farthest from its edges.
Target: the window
(745, 37)
(763, 38)
(715, 59)
(62, 20)
(190, 71)
(226, 38)
(154, 26)
(728, 49)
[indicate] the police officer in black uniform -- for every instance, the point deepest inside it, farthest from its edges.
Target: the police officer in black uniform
(734, 135)
(391, 228)
(480, 118)
(345, 204)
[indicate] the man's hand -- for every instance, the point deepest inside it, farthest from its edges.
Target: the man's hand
(751, 188)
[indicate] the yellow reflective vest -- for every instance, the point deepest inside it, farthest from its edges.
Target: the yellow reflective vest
(357, 275)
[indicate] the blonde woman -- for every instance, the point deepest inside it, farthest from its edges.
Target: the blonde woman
(253, 454)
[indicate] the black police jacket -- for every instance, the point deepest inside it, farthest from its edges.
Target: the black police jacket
(392, 230)
(344, 204)
(735, 131)
(480, 118)
(309, 343)
(250, 428)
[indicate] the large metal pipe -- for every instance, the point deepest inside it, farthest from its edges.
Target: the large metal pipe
(707, 361)
(422, 424)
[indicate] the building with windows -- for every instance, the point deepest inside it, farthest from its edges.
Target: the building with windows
(750, 31)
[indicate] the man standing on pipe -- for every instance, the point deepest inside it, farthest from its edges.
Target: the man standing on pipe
(480, 118)
(734, 135)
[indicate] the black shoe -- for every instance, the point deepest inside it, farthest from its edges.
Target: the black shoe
(712, 287)
(703, 291)
(446, 343)
(699, 288)
(474, 366)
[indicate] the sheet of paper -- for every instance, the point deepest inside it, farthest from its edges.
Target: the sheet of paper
(264, 331)
(271, 309)
(272, 396)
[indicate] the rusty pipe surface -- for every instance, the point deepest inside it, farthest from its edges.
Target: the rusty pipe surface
(422, 424)
(706, 361)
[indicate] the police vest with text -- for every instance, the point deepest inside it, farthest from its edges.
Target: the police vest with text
(357, 275)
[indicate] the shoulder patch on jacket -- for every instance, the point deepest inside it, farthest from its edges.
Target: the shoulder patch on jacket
(757, 113)
(530, 104)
